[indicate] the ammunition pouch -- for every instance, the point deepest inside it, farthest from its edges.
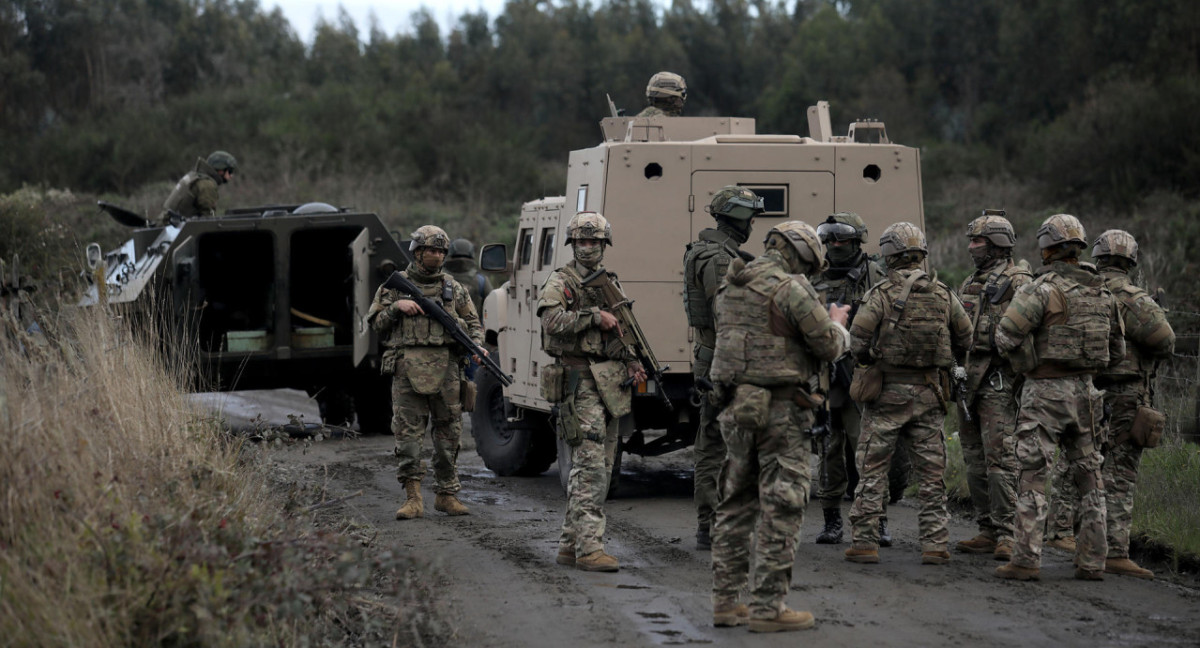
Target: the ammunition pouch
(387, 364)
(610, 376)
(567, 426)
(551, 382)
(867, 383)
(751, 407)
(1147, 428)
(466, 394)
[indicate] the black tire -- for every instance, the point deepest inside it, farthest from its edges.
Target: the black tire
(525, 448)
(564, 467)
(899, 473)
(336, 406)
(373, 405)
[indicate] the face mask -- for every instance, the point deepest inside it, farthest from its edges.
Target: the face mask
(980, 255)
(429, 263)
(589, 256)
(841, 256)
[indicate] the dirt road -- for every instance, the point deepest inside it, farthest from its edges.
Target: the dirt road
(506, 589)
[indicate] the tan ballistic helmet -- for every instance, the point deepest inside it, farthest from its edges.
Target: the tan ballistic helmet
(1116, 242)
(804, 240)
(430, 236)
(994, 227)
(899, 238)
(589, 225)
(666, 84)
(1061, 228)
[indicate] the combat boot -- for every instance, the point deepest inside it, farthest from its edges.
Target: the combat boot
(597, 561)
(1126, 567)
(565, 557)
(862, 555)
(1013, 572)
(885, 538)
(703, 538)
(832, 533)
(1004, 550)
(414, 506)
(1066, 543)
(448, 503)
(786, 621)
(729, 615)
(935, 557)
(980, 544)
(1089, 574)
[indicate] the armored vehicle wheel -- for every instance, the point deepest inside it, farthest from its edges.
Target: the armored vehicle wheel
(564, 468)
(523, 447)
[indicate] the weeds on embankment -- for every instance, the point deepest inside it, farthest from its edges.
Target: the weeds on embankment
(129, 518)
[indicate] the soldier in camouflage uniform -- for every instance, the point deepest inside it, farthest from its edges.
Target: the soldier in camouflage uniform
(665, 95)
(850, 273)
(988, 438)
(574, 332)
(773, 331)
(427, 365)
(196, 193)
(704, 265)
(1060, 521)
(460, 264)
(912, 327)
(1060, 330)
(1148, 339)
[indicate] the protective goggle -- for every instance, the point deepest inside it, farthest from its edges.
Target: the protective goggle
(837, 232)
(742, 209)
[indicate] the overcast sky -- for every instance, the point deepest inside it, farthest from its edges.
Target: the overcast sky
(393, 14)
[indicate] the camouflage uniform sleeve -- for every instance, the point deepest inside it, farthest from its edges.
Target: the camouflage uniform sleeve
(961, 332)
(1146, 326)
(1116, 336)
(866, 321)
(806, 312)
(554, 308)
(381, 316)
(1024, 315)
(205, 191)
(465, 309)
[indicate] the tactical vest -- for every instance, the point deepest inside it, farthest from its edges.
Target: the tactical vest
(1134, 363)
(921, 338)
(747, 351)
(591, 341)
(1078, 337)
(181, 200)
(420, 330)
(992, 293)
(709, 248)
(848, 289)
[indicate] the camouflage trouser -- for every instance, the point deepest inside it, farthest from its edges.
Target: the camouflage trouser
(1064, 495)
(1121, 461)
(410, 412)
(1059, 411)
(765, 481)
(709, 452)
(902, 411)
(989, 448)
(591, 468)
(841, 449)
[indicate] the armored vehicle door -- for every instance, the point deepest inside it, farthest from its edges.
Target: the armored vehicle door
(184, 279)
(360, 255)
(536, 256)
(788, 195)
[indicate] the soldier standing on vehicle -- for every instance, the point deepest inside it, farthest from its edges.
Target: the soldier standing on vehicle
(986, 430)
(850, 273)
(587, 385)
(773, 332)
(461, 265)
(196, 193)
(910, 330)
(427, 366)
(1060, 330)
(665, 95)
(704, 265)
(1129, 392)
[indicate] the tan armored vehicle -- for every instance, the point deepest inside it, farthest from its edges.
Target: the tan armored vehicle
(651, 178)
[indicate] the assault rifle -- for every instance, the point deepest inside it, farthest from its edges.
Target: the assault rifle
(958, 375)
(434, 310)
(629, 333)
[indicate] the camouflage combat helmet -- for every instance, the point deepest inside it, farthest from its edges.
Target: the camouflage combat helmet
(842, 226)
(735, 203)
(589, 225)
(461, 247)
(222, 161)
(994, 227)
(1061, 228)
(803, 238)
(666, 85)
(430, 236)
(899, 238)
(1117, 243)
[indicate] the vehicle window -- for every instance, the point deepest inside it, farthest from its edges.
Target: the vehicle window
(775, 198)
(526, 251)
(546, 256)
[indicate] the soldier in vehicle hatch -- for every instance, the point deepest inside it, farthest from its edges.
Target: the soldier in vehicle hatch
(585, 382)
(196, 193)
(1060, 330)
(665, 95)
(704, 266)
(427, 365)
